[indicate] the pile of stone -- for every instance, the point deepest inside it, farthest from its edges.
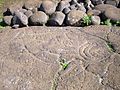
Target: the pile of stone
(62, 13)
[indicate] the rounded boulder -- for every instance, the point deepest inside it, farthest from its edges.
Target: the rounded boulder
(74, 17)
(38, 18)
(103, 7)
(57, 19)
(48, 7)
(95, 20)
(113, 14)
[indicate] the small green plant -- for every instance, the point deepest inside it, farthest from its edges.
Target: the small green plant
(108, 22)
(116, 23)
(2, 24)
(110, 46)
(64, 64)
(86, 20)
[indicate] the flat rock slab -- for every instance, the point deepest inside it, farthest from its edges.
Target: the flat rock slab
(30, 58)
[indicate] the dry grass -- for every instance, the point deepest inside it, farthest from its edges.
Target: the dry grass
(6, 3)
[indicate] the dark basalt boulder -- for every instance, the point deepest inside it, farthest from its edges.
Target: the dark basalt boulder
(62, 5)
(38, 18)
(20, 18)
(57, 19)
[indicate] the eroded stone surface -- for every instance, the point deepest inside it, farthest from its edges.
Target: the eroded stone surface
(30, 58)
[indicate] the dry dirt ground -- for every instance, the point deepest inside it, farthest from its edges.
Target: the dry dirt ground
(31, 58)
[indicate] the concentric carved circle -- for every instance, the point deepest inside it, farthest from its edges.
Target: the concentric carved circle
(93, 51)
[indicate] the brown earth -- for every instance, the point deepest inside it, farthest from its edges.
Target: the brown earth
(30, 58)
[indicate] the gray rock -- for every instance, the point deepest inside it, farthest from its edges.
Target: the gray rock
(23, 10)
(103, 7)
(38, 18)
(29, 5)
(48, 7)
(66, 10)
(68, 1)
(20, 19)
(74, 17)
(94, 12)
(34, 10)
(29, 58)
(57, 19)
(89, 4)
(7, 20)
(16, 20)
(15, 26)
(95, 20)
(62, 5)
(112, 2)
(81, 7)
(97, 2)
(113, 14)
(74, 2)
(73, 7)
(28, 13)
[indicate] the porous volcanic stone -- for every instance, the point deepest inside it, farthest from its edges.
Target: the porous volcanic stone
(113, 14)
(7, 20)
(74, 17)
(57, 18)
(38, 18)
(48, 7)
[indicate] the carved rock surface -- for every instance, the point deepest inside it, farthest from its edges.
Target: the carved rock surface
(30, 56)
